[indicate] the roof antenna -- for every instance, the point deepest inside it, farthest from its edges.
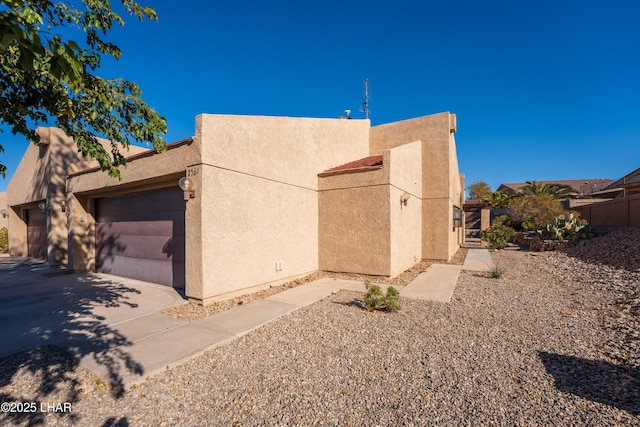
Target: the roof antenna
(365, 105)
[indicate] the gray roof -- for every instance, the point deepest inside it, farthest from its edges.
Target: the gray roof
(630, 179)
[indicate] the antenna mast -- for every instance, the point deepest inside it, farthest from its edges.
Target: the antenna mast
(365, 105)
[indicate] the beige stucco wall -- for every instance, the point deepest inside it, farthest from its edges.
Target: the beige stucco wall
(41, 176)
(82, 233)
(364, 227)
(406, 221)
(440, 178)
(456, 197)
(259, 205)
(4, 219)
(283, 149)
(485, 218)
(354, 221)
(251, 224)
(139, 174)
(462, 230)
(355, 230)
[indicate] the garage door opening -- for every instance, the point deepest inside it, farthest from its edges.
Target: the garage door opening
(141, 236)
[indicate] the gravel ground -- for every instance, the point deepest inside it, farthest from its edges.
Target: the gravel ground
(553, 342)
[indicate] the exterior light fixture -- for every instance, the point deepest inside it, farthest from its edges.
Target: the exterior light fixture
(63, 206)
(186, 185)
(4, 213)
(457, 217)
(404, 198)
(44, 207)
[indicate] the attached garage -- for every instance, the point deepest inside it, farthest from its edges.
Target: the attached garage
(36, 233)
(141, 236)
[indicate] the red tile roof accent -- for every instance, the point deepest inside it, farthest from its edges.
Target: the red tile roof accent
(368, 163)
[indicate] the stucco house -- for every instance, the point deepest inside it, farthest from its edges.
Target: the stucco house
(626, 186)
(272, 199)
(4, 211)
(618, 204)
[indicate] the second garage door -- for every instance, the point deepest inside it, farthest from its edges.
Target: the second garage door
(141, 236)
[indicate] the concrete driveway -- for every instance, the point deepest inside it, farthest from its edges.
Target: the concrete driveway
(77, 312)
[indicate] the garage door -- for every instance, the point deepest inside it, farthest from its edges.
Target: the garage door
(141, 236)
(36, 233)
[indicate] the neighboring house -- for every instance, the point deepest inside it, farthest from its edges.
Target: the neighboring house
(273, 199)
(584, 187)
(618, 203)
(625, 186)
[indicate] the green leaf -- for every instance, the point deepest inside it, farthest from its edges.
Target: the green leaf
(47, 75)
(27, 59)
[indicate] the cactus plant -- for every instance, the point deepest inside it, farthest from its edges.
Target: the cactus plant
(567, 228)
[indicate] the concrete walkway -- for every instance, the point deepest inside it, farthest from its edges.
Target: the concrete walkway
(123, 345)
(434, 284)
(477, 260)
(153, 342)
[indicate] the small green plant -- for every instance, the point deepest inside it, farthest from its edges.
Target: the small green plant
(497, 236)
(497, 270)
(4, 240)
(374, 299)
(393, 295)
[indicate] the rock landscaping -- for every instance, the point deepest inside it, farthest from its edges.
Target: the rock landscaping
(554, 341)
(193, 311)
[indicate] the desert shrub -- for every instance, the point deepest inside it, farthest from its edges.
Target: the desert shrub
(505, 220)
(497, 236)
(374, 299)
(500, 220)
(4, 240)
(534, 212)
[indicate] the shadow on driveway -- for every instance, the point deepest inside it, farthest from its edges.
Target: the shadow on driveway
(596, 380)
(78, 313)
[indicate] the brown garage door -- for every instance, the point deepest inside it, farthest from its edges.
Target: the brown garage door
(36, 233)
(141, 236)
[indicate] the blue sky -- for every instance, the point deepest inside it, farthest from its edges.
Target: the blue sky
(542, 90)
